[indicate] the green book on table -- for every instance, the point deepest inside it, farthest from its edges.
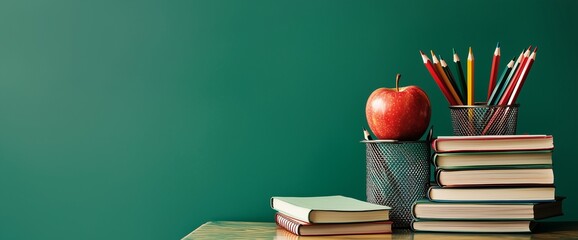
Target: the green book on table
(428, 210)
(491, 194)
(517, 226)
(503, 159)
(492, 143)
(330, 209)
(535, 175)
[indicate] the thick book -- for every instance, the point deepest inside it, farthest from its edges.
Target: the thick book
(492, 143)
(463, 160)
(521, 176)
(428, 210)
(492, 194)
(519, 226)
(316, 229)
(330, 209)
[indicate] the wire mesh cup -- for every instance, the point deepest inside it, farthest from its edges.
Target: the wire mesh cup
(398, 174)
(484, 120)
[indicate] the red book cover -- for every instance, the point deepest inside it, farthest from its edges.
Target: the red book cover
(311, 229)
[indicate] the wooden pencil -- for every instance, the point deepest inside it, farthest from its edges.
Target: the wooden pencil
(523, 75)
(470, 79)
(494, 70)
(431, 69)
(451, 78)
(501, 83)
(510, 88)
(462, 80)
(445, 79)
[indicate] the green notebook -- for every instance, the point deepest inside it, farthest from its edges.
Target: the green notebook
(507, 159)
(427, 210)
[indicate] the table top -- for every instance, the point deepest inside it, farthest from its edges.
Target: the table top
(269, 230)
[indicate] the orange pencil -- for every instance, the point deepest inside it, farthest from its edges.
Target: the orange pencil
(445, 78)
(437, 79)
(494, 70)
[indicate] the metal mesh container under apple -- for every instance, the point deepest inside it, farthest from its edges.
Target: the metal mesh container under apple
(484, 120)
(398, 174)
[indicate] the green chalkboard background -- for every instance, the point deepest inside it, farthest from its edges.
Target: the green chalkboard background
(145, 119)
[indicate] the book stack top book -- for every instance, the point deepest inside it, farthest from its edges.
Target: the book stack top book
(330, 215)
(497, 183)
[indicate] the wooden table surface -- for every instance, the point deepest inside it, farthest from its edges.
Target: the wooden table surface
(268, 230)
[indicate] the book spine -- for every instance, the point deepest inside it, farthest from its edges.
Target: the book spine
(438, 172)
(428, 194)
(287, 225)
(434, 160)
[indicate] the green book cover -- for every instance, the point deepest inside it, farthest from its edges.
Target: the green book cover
(507, 159)
(425, 209)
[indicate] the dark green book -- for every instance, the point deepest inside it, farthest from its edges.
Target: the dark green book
(522, 175)
(428, 210)
(507, 159)
(492, 194)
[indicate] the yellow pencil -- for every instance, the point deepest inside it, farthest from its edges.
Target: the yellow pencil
(445, 78)
(470, 77)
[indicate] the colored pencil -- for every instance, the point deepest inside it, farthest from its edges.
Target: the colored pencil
(431, 69)
(462, 79)
(494, 70)
(506, 84)
(445, 78)
(470, 78)
(500, 85)
(508, 92)
(451, 77)
(522, 79)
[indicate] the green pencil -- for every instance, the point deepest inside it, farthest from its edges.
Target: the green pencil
(462, 81)
(448, 72)
(502, 91)
(501, 83)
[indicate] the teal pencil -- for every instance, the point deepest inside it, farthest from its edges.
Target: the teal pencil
(501, 83)
(502, 91)
(448, 72)
(462, 81)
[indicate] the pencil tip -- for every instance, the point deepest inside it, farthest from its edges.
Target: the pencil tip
(535, 49)
(454, 50)
(420, 52)
(498, 45)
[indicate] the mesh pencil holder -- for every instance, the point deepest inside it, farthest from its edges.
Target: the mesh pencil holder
(484, 120)
(398, 174)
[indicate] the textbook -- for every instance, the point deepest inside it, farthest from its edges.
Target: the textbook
(330, 209)
(492, 194)
(519, 226)
(462, 160)
(495, 177)
(492, 143)
(310, 229)
(425, 209)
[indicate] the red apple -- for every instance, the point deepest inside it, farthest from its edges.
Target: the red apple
(398, 113)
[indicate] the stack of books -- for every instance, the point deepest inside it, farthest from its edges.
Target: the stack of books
(330, 215)
(499, 183)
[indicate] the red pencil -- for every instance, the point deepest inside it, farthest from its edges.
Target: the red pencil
(508, 93)
(494, 70)
(437, 79)
(522, 79)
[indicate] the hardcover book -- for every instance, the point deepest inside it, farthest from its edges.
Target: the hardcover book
(425, 209)
(473, 226)
(463, 160)
(310, 229)
(495, 177)
(492, 143)
(330, 209)
(492, 194)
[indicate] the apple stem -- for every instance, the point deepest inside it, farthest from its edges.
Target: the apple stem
(397, 77)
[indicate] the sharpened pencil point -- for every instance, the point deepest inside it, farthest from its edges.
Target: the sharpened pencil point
(498, 45)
